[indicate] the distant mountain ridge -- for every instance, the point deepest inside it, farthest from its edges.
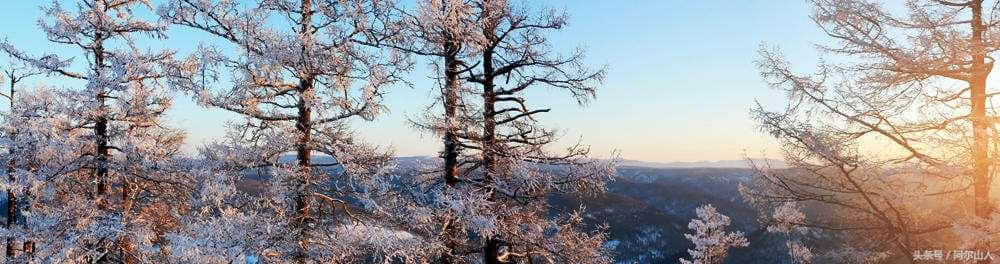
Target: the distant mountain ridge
(774, 163)
(741, 163)
(408, 161)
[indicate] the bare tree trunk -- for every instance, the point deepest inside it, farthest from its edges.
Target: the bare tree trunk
(490, 253)
(11, 198)
(489, 113)
(303, 151)
(977, 86)
(101, 129)
(28, 248)
(11, 209)
(11, 214)
(304, 158)
(103, 151)
(450, 108)
(450, 95)
(979, 121)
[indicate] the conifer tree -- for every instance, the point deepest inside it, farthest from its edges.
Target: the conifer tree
(116, 108)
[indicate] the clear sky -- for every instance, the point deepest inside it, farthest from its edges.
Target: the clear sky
(680, 85)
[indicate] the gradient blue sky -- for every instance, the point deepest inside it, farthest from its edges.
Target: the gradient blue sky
(680, 85)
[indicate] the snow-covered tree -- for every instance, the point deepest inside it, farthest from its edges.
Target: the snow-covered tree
(117, 110)
(889, 139)
(498, 165)
(47, 148)
(711, 240)
(798, 252)
(445, 33)
(15, 72)
(515, 168)
(105, 183)
(61, 217)
(297, 88)
(789, 220)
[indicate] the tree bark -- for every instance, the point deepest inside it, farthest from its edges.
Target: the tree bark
(101, 139)
(450, 95)
(980, 140)
(304, 158)
(489, 113)
(101, 127)
(303, 124)
(11, 216)
(981, 168)
(450, 111)
(11, 198)
(491, 251)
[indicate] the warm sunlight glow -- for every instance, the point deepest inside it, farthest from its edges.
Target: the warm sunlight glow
(499, 131)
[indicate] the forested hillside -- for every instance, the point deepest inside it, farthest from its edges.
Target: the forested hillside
(271, 131)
